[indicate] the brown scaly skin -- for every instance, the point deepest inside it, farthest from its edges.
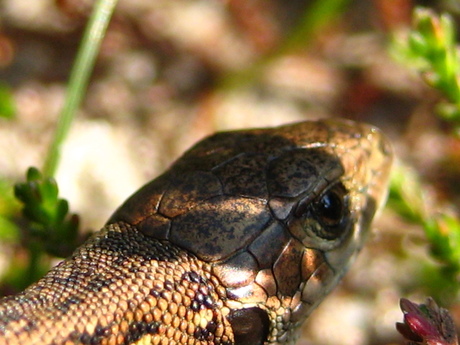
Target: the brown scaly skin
(235, 244)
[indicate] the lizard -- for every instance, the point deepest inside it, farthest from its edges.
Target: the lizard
(237, 243)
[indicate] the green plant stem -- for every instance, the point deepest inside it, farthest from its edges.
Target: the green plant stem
(34, 269)
(316, 17)
(79, 78)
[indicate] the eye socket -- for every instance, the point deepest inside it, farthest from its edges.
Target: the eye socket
(331, 211)
(327, 215)
(330, 207)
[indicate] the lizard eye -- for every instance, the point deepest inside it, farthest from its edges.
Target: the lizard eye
(328, 214)
(331, 212)
(330, 207)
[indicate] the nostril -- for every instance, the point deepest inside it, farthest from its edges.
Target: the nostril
(385, 147)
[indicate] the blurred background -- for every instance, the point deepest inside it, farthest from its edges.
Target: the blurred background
(171, 72)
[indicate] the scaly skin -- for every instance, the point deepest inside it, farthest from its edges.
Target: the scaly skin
(235, 244)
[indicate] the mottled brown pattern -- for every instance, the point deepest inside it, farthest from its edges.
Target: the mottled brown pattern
(235, 244)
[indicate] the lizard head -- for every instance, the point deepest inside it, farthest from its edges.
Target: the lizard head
(278, 214)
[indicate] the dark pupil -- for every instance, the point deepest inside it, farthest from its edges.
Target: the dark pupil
(330, 209)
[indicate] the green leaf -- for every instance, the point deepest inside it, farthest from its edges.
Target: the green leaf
(9, 232)
(443, 232)
(49, 191)
(418, 43)
(62, 208)
(33, 174)
(431, 48)
(28, 193)
(7, 104)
